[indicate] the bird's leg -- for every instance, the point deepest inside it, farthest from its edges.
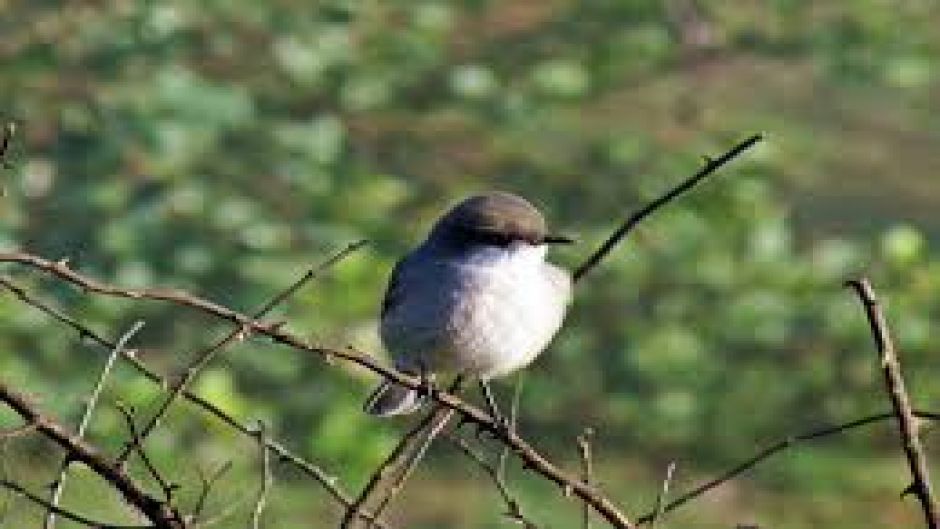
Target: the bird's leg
(500, 422)
(427, 382)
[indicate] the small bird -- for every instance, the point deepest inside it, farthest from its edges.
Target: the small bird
(477, 298)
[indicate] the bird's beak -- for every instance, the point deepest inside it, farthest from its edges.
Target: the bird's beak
(558, 239)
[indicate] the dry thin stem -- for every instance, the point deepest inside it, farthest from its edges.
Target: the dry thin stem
(399, 484)
(405, 454)
(663, 493)
(513, 423)
(710, 167)
(207, 484)
(167, 487)
(587, 470)
(266, 477)
(529, 456)
(328, 482)
(513, 510)
(159, 513)
(774, 449)
(900, 401)
(59, 484)
(64, 513)
(205, 356)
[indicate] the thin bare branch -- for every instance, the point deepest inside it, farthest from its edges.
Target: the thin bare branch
(587, 470)
(204, 357)
(900, 401)
(405, 454)
(711, 165)
(530, 457)
(774, 449)
(59, 484)
(166, 487)
(513, 510)
(328, 482)
(663, 493)
(160, 514)
(64, 513)
(266, 478)
(207, 484)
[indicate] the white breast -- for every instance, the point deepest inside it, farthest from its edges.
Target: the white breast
(486, 313)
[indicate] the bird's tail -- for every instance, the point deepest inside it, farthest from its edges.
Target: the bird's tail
(392, 399)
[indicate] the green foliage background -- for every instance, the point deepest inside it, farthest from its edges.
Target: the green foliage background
(224, 147)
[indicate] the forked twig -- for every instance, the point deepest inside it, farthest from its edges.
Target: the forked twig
(206, 355)
(59, 484)
(328, 482)
(513, 509)
(900, 401)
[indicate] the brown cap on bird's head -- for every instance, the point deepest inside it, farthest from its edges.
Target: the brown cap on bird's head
(494, 218)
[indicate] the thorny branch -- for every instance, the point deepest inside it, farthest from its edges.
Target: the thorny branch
(900, 401)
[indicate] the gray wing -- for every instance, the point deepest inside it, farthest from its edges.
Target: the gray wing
(393, 290)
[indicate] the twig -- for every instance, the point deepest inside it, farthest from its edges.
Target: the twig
(399, 484)
(49, 506)
(587, 470)
(266, 478)
(663, 493)
(165, 486)
(9, 129)
(207, 484)
(513, 423)
(404, 454)
(530, 457)
(240, 333)
(513, 510)
(319, 475)
(59, 484)
(774, 449)
(901, 402)
(711, 165)
(160, 514)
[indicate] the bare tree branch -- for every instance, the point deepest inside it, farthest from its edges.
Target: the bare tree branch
(77, 518)
(205, 356)
(59, 484)
(160, 514)
(207, 484)
(405, 454)
(663, 493)
(774, 449)
(901, 402)
(513, 509)
(530, 457)
(266, 477)
(710, 167)
(167, 487)
(587, 470)
(328, 482)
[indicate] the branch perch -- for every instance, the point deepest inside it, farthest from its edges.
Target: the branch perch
(900, 401)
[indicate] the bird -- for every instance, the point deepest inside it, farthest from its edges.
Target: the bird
(477, 298)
